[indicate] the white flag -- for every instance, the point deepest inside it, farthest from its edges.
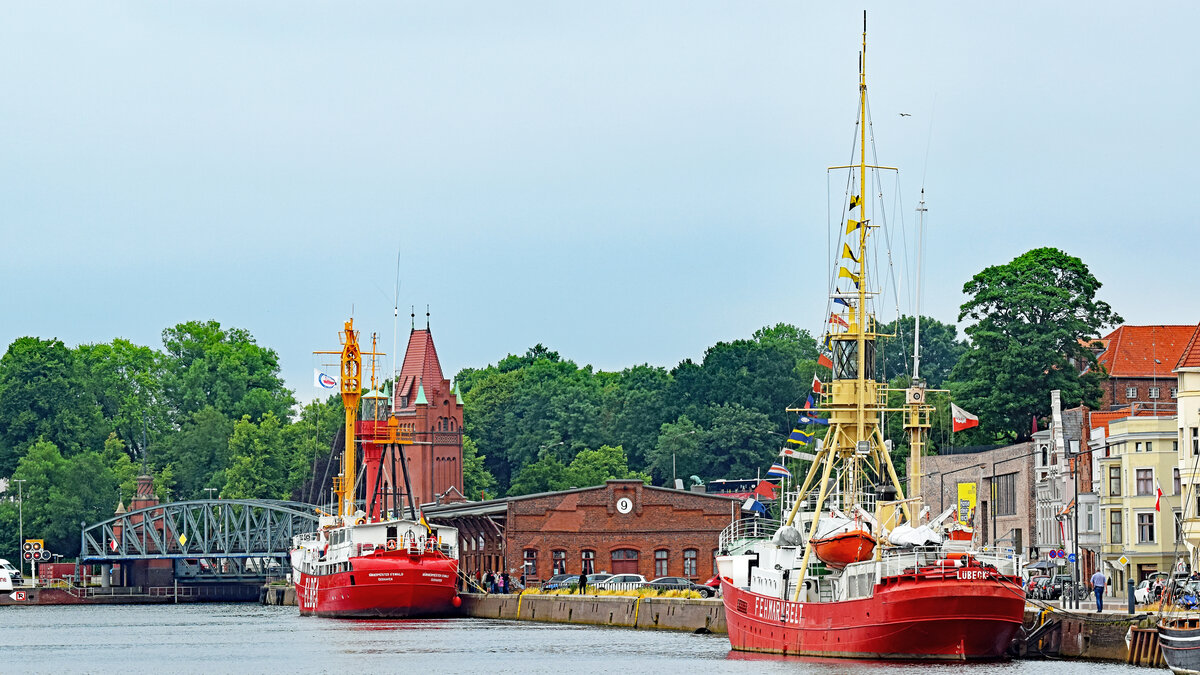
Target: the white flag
(323, 381)
(961, 419)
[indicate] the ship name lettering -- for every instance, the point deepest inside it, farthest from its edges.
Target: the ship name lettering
(970, 575)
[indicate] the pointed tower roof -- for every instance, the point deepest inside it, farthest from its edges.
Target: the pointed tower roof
(421, 395)
(420, 365)
(120, 508)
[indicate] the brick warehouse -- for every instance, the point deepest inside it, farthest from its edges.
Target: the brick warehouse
(623, 526)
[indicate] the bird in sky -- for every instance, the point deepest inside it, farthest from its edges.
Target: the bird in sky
(905, 115)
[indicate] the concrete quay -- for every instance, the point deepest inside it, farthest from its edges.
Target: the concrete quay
(684, 614)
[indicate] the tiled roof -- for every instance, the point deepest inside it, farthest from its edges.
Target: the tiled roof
(1191, 353)
(421, 366)
(1132, 350)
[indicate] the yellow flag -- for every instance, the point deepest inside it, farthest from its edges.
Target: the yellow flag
(847, 253)
(182, 539)
(851, 225)
(855, 201)
(843, 272)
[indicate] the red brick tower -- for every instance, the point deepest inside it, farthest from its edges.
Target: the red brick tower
(427, 407)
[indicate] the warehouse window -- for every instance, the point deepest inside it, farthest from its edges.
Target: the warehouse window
(689, 562)
(660, 563)
(531, 563)
(588, 559)
(560, 561)
(1006, 495)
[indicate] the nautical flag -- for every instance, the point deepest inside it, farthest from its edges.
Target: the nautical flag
(847, 253)
(808, 405)
(765, 489)
(811, 419)
(855, 201)
(824, 360)
(842, 301)
(835, 319)
(1157, 496)
(793, 453)
(425, 523)
(962, 419)
(778, 470)
(843, 272)
(323, 381)
(753, 505)
(851, 225)
(816, 385)
(800, 437)
(112, 543)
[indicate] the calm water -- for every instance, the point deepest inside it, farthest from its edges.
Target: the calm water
(247, 638)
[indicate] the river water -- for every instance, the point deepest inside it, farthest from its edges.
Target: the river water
(250, 638)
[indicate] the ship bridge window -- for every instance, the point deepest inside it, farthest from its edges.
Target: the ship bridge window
(845, 359)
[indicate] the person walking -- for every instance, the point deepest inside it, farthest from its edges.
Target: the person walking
(582, 583)
(505, 586)
(1098, 583)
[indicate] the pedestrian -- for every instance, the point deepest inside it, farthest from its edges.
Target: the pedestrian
(1098, 583)
(582, 583)
(504, 582)
(489, 582)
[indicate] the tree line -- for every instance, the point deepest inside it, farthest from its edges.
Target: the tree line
(207, 413)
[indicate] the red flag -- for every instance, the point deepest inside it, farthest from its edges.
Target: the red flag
(961, 419)
(1158, 496)
(765, 489)
(816, 385)
(823, 360)
(838, 321)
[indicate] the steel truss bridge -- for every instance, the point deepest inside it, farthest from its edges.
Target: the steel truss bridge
(209, 540)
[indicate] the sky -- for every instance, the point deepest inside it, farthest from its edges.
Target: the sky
(623, 182)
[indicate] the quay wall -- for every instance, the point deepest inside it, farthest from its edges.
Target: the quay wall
(693, 615)
(1084, 636)
(278, 595)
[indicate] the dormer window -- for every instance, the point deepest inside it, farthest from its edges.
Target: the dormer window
(403, 401)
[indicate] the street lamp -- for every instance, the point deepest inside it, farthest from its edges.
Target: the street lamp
(210, 492)
(21, 517)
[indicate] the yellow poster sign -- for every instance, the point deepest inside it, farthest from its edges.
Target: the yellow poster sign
(966, 504)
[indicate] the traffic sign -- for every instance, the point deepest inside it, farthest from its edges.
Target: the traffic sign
(19, 596)
(1123, 560)
(1053, 554)
(1071, 558)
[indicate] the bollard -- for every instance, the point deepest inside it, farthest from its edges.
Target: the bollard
(1129, 595)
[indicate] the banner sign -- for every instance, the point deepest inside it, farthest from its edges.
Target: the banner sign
(967, 493)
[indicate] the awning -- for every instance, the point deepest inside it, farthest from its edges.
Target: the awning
(1041, 565)
(1115, 565)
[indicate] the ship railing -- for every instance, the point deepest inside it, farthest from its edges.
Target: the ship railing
(896, 561)
(741, 533)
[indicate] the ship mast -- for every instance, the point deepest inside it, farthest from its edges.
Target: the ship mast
(855, 400)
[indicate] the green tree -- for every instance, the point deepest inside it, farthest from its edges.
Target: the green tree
(593, 467)
(207, 365)
(940, 349)
(197, 454)
(545, 475)
(260, 464)
(42, 396)
(477, 480)
(126, 381)
(677, 451)
(739, 442)
(1030, 318)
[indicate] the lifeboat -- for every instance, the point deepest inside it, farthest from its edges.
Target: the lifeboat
(841, 549)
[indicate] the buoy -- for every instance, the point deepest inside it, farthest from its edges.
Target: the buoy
(457, 601)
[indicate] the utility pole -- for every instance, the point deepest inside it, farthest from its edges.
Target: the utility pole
(21, 517)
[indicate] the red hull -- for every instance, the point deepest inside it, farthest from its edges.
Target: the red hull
(948, 615)
(394, 585)
(845, 548)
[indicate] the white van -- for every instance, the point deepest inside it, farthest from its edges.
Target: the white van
(13, 573)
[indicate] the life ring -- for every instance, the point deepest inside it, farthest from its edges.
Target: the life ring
(391, 545)
(360, 521)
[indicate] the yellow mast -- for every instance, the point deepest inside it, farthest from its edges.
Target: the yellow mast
(343, 485)
(855, 401)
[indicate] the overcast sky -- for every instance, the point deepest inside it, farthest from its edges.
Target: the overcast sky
(623, 182)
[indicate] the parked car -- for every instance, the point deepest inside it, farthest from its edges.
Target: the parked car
(1144, 592)
(621, 582)
(1037, 587)
(680, 584)
(1062, 586)
(13, 573)
(714, 582)
(596, 578)
(560, 581)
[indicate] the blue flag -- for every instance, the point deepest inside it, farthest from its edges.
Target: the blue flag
(842, 301)
(808, 405)
(779, 471)
(810, 419)
(801, 437)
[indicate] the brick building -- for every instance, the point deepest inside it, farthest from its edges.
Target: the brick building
(623, 526)
(1139, 361)
(430, 410)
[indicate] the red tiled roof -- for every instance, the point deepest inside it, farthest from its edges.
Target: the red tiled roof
(420, 367)
(1191, 353)
(1132, 350)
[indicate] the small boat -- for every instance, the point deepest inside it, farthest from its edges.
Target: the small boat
(845, 543)
(1179, 640)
